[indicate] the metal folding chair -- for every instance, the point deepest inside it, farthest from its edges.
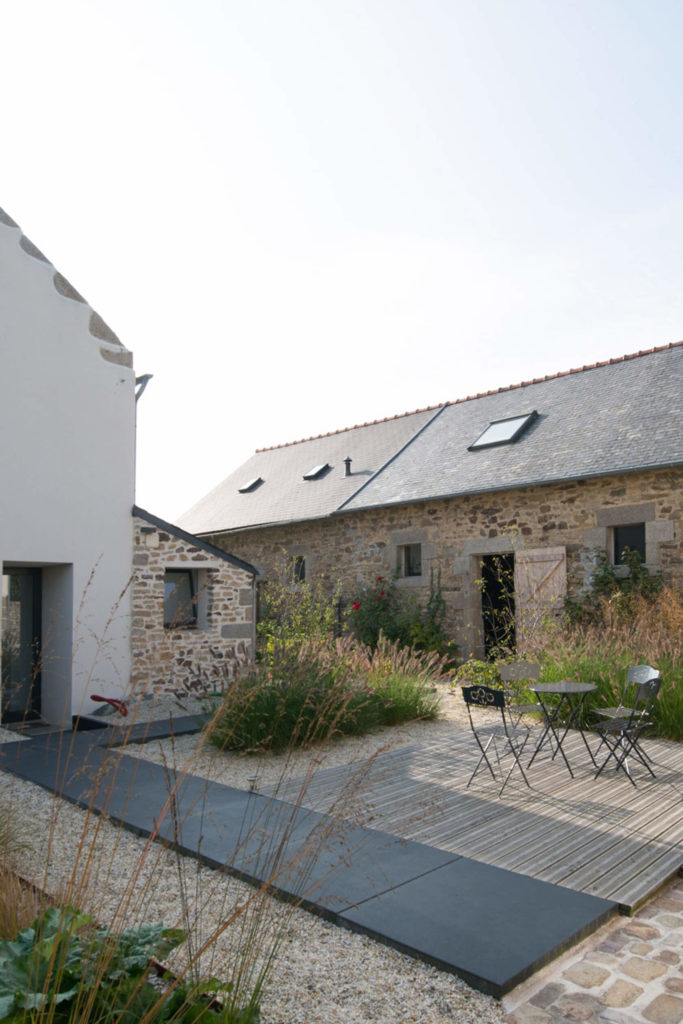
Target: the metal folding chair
(635, 675)
(516, 672)
(512, 738)
(622, 735)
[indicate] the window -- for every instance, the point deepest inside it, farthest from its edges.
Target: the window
(409, 559)
(250, 485)
(298, 564)
(317, 471)
(180, 599)
(504, 431)
(632, 537)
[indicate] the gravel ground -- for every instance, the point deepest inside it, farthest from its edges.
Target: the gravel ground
(239, 769)
(322, 974)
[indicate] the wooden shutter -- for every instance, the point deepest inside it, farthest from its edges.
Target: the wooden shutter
(540, 588)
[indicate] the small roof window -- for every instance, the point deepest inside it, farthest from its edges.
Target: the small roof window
(317, 471)
(250, 485)
(504, 431)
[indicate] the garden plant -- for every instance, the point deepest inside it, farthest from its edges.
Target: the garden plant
(81, 935)
(323, 690)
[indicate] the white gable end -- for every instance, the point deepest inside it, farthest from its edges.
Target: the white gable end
(67, 458)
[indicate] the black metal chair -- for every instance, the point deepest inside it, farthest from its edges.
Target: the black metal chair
(519, 672)
(513, 739)
(635, 676)
(622, 735)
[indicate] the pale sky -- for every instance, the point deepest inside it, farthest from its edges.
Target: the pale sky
(305, 214)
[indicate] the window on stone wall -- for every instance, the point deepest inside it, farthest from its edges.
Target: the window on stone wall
(180, 599)
(632, 537)
(409, 559)
(298, 567)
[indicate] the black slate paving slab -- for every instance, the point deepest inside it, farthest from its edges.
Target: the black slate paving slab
(491, 927)
(331, 864)
(157, 729)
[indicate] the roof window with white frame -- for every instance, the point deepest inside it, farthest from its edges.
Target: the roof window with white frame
(250, 485)
(317, 471)
(505, 431)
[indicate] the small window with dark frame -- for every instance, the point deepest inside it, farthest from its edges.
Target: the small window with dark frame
(298, 568)
(180, 599)
(410, 560)
(630, 537)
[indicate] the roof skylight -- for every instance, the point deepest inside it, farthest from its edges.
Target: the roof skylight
(250, 485)
(504, 431)
(317, 471)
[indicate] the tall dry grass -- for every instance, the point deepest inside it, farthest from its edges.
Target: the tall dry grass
(323, 689)
(85, 861)
(641, 630)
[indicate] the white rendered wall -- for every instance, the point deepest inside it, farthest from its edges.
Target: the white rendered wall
(67, 451)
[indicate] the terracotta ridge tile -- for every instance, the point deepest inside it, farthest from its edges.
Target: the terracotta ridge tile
(481, 394)
(355, 426)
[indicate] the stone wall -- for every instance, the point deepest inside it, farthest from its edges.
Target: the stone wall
(573, 518)
(193, 659)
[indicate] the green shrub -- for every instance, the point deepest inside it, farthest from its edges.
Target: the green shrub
(385, 610)
(622, 592)
(325, 691)
(293, 613)
(478, 673)
(404, 699)
(381, 609)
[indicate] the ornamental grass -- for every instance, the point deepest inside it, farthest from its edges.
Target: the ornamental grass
(323, 690)
(643, 630)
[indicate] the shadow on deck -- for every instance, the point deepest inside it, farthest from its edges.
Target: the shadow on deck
(599, 836)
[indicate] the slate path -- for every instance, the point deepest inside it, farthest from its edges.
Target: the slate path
(491, 927)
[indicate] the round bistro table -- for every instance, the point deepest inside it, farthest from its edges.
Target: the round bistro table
(572, 695)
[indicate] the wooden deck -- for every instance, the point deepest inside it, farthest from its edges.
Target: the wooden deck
(600, 836)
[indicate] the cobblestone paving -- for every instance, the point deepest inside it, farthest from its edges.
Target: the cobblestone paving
(630, 972)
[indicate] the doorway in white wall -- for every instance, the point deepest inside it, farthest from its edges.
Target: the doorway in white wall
(21, 644)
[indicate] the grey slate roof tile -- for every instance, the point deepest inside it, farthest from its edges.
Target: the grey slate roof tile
(284, 496)
(617, 417)
(614, 418)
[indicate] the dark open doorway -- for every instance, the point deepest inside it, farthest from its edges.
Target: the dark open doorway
(21, 641)
(497, 583)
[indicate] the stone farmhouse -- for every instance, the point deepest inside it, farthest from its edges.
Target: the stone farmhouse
(98, 598)
(528, 482)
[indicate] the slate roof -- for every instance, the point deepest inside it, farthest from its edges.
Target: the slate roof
(620, 416)
(284, 496)
(197, 542)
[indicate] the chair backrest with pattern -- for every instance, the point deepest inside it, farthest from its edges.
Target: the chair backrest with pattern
(644, 697)
(646, 694)
(636, 675)
(483, 696)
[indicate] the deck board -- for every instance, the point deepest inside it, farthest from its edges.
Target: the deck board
(600, 836)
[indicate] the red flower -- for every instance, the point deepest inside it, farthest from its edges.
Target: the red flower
(379, 579)
(356, 606)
